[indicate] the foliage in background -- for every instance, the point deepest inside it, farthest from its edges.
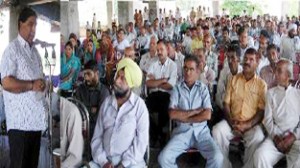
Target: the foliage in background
(237, 7)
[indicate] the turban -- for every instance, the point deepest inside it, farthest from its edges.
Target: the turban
(292, 26)
(133, 73)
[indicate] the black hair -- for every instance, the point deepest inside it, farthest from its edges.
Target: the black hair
(72, 35)
(25, 14)
(121, 30)
(91, 65)
(273, 46)
(265, 34)
(235, 48)
(241, 30)
(251, 51)
(225, 29)
(69, 43)
(192, 58)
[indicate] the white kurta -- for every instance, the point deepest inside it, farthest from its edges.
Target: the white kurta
(282, 115)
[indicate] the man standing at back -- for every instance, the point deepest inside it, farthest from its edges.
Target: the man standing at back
(22, 79)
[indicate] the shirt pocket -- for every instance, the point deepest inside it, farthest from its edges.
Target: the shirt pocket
(127, 123)
(254, 97)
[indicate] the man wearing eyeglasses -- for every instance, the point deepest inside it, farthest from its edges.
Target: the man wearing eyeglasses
(191, 108)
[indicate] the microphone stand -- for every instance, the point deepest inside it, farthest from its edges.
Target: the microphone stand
(50, 117)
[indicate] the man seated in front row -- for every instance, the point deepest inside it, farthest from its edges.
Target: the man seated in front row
(282, 122)
(190, 107)
(244, 104)
(122, 130)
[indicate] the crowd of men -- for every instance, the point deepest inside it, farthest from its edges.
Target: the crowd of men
(215, 78)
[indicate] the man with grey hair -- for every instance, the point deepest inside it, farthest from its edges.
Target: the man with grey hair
(282, 122)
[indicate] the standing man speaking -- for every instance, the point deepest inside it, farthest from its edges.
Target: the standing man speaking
(22, 79)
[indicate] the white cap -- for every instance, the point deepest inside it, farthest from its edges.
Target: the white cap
(292, 26)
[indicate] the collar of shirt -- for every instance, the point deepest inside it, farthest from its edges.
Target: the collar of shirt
(284, 89)
(253, 78)
(197, 83)
(23, 42)
(114, 102)
(166, 63)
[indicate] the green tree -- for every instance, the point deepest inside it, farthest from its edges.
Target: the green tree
(237, 7)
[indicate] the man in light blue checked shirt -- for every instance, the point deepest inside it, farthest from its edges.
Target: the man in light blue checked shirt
(190, 107)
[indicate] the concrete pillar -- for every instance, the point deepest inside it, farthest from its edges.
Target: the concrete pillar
(215, 7)
(154, 7)
(109, 10)
(13, 22)
(69, 18)
(125, 12)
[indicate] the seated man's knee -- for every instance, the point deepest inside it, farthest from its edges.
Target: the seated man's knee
(217, 129)
(218, 158)
(165, 157)
(259, 155)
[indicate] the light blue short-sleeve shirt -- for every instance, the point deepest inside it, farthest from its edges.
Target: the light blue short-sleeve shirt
(185, 98)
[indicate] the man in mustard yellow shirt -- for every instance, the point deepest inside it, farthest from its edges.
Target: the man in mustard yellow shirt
(244, 104)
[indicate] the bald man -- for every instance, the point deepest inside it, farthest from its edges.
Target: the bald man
(282, 122)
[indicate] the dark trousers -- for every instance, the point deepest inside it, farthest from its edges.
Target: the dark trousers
(158, 102)
(24, 148)
(66, 93)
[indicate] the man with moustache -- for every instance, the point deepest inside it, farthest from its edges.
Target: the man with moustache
(267, 73)
(122, 130)
(92, 92)
(22, 80)
(190, 108)
(161, 78)
(282, 122)
(290, 44)
(244, 105)
(262, 50)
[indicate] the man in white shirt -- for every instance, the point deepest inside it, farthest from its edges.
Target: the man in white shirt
(71, 138)
(131, 34)
(244, 41)
(22, 79)
(290, 44)
(262, 50)
(146, 15)
(121, 134)
(150, 57)
(121, 43)
(187, 41)
(161, 79)
(211, 57)
(206, 75)
(177, 14)
(178, 58)
(282, 122)
(233, 56)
